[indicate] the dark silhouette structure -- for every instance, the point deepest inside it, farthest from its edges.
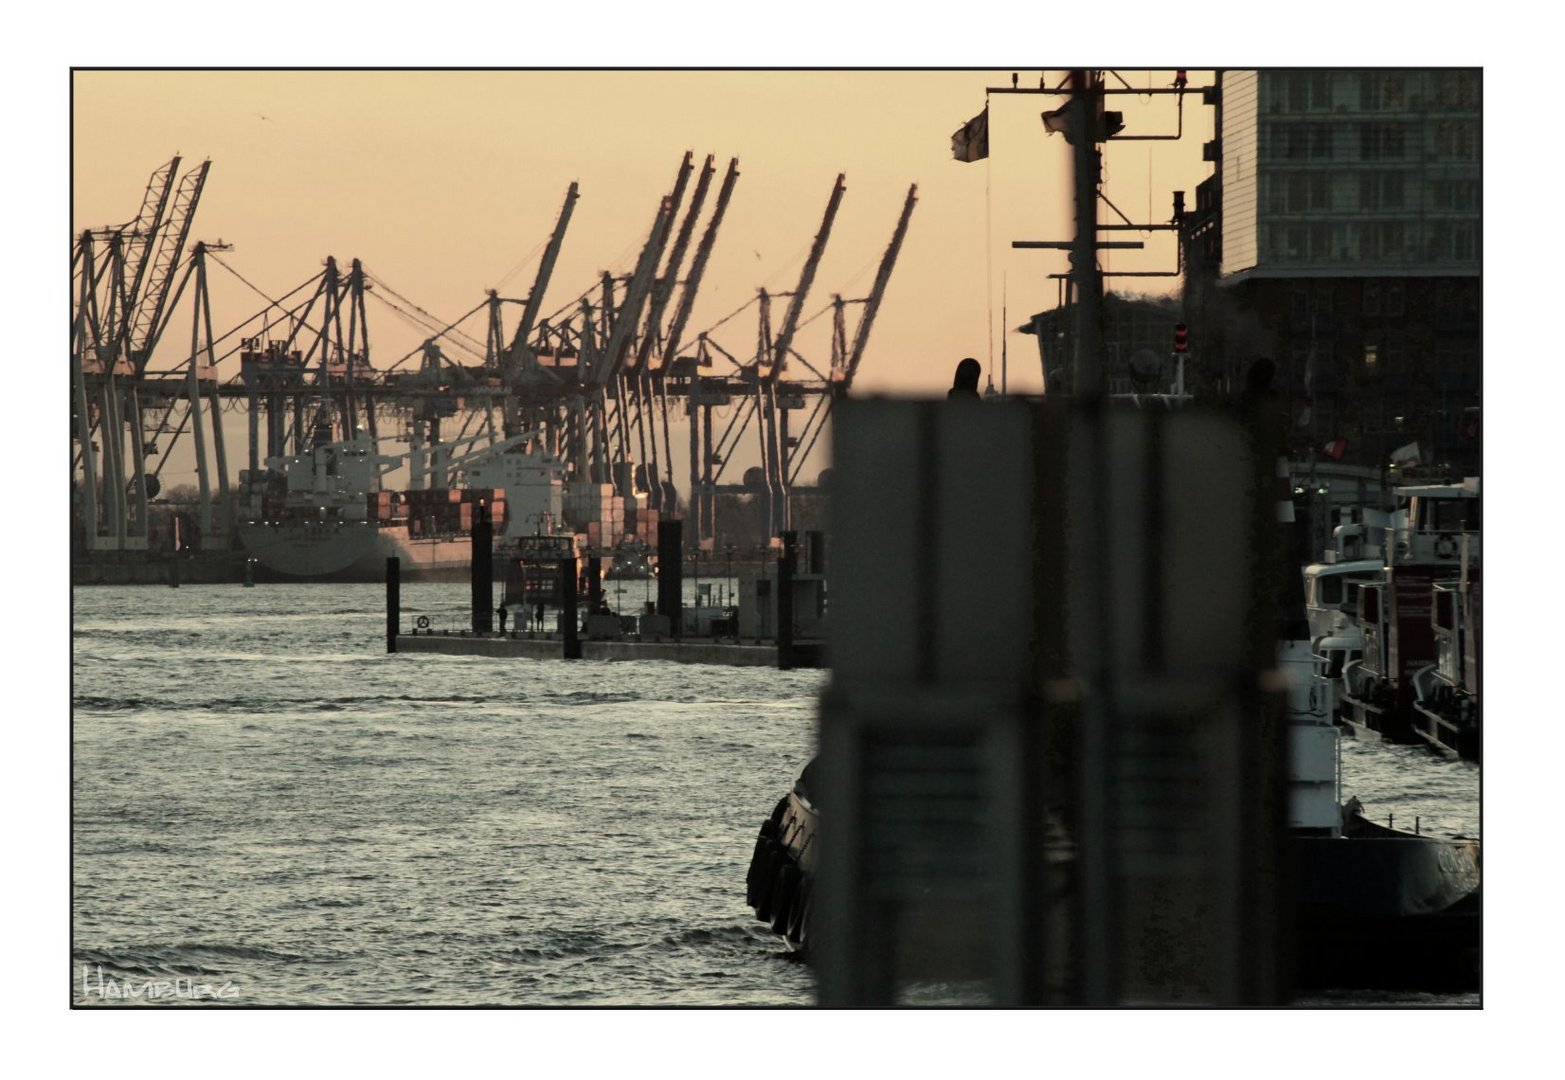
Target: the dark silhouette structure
(966, 382)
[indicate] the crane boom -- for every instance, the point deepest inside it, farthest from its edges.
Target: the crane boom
(140, 234)
(872, 304)
(519, 353)
(664, 288)
(698, 266)
(635, 296)
(169, 245)
(806, 277)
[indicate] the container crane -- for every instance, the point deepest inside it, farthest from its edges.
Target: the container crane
(774, 420)
(845, 361)
(520, 364)
(700, 412)
(121, 312)
(650, 385)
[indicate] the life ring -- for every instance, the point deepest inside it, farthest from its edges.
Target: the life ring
(1446, 546)
(422, 622)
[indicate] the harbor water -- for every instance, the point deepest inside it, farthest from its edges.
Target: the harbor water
(270, 810)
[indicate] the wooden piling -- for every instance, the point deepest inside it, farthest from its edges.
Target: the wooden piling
(393, 601)
(482, 572)
(785, 569)
(671, 564)
(569, 614)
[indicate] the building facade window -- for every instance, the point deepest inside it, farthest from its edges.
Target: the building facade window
(1298, 92)
(1293, 241)
(1382, 91)
(1275, 186)
(1295, 141)
(1321, 139)
(1308, 191)
(1464, 240)
(1322, 97)
(1310, 91)
(1382, 141)
(1456, 90)
(1321, 246)
(1366, 240)
(1454, 194)
(1393, 239)
(1381, 190)
(1456, 140)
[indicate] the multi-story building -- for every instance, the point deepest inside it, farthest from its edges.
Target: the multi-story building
(1341, 237)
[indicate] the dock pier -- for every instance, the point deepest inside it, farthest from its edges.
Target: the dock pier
(525, 645)
(794, 638)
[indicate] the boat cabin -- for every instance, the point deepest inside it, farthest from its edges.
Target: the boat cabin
(1435, 518)
(1446, 690)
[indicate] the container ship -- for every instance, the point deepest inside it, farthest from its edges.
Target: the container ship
(322, 515)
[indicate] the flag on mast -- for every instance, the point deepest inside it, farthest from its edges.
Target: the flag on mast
(970, 142)
(1407, 456)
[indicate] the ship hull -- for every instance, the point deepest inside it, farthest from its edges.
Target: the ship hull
(1386, 909)
(353, 552)
(779, 882)
(1374, 908)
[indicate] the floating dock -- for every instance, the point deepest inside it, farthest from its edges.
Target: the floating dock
(806, 654)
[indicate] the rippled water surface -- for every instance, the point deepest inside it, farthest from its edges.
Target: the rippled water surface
(265, 800)
(268, 809)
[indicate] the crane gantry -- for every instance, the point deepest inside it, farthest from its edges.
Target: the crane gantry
(593, 383)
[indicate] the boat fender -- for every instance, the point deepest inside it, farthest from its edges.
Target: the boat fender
(760, 864)
(799, 912)
(766, 893)
(422, 622)
(1446, 546)
(783, 895)
(764, 868)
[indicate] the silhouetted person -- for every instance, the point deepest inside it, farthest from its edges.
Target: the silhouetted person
(965, 385)
(538, 614)
(502, 613)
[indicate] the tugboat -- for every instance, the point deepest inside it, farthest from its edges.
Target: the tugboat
(1396, 614)
(1356, 557)
(1374, 906)
(1446, 691)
